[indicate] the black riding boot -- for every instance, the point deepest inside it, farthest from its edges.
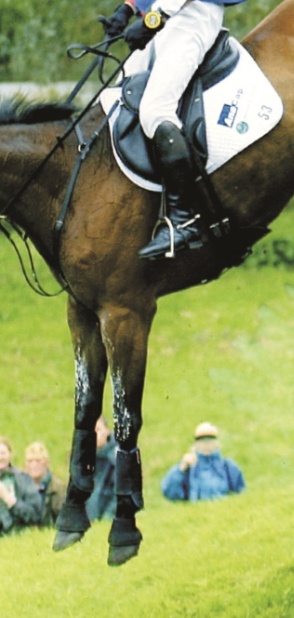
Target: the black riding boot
(179, 230)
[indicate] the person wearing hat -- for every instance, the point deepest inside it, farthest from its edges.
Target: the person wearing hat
(203, 473)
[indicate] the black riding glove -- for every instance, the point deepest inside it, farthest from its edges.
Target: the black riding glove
(138, 35)
(116, 23)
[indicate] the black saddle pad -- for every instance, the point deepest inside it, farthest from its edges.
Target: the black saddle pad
(131, 144)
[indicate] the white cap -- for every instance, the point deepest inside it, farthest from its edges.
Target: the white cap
(206, 430)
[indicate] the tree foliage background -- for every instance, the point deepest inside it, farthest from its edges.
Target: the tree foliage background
(34, 36)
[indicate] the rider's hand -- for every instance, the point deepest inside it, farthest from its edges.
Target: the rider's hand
(138, 35)
(116, 23)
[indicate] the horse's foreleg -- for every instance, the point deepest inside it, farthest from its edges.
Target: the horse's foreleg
(91, 368)
(125, 334)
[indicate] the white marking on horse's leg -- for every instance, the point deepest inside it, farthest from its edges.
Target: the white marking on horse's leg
(83, 393)
(121, 416)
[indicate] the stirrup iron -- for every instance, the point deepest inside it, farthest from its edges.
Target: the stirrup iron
(165, 220)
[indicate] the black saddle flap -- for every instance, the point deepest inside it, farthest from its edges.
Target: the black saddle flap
(219, 61)
(132, 90)
(133, 147)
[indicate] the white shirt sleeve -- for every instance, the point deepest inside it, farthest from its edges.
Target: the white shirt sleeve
(169, 7)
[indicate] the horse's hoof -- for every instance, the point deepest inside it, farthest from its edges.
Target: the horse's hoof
(120, 555)
(64, 539)
(124, 541)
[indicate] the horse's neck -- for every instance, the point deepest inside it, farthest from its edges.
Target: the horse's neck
(22, 150)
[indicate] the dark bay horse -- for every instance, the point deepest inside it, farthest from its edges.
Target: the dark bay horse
(111, 293)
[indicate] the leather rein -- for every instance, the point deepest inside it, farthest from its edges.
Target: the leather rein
(83, 149)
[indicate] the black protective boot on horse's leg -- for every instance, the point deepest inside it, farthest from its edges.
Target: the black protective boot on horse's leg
(124, 537)
(72, 521)
(181, 232)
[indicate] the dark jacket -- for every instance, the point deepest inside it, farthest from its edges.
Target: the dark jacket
(102, 502)
(52, 491)
(213, 476)
(28, 507)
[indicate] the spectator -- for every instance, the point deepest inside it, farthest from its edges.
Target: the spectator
(203, 473)
(20, 503)
(51, 489)
(102, 502)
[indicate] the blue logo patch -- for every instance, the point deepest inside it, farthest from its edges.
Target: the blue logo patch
(228, 115)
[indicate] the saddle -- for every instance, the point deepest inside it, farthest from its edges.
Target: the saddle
(131, 144)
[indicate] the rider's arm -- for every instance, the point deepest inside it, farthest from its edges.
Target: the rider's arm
(168, 7)
(132, 4)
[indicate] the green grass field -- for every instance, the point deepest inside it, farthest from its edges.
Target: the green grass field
(224, 353)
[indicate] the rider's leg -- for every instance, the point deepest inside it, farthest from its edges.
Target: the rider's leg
(179, 48)
(173, 159)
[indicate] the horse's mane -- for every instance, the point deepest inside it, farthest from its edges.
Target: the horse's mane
(17, 110)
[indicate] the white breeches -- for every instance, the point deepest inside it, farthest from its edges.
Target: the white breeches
(174, 53)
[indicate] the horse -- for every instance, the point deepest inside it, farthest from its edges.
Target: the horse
(112, 294)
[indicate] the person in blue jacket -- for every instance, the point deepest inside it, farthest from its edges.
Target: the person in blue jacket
(171, 39)
(102, 502)
(203, 474)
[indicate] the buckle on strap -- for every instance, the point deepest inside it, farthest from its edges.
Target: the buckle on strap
(221, 228)
(187, 223)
